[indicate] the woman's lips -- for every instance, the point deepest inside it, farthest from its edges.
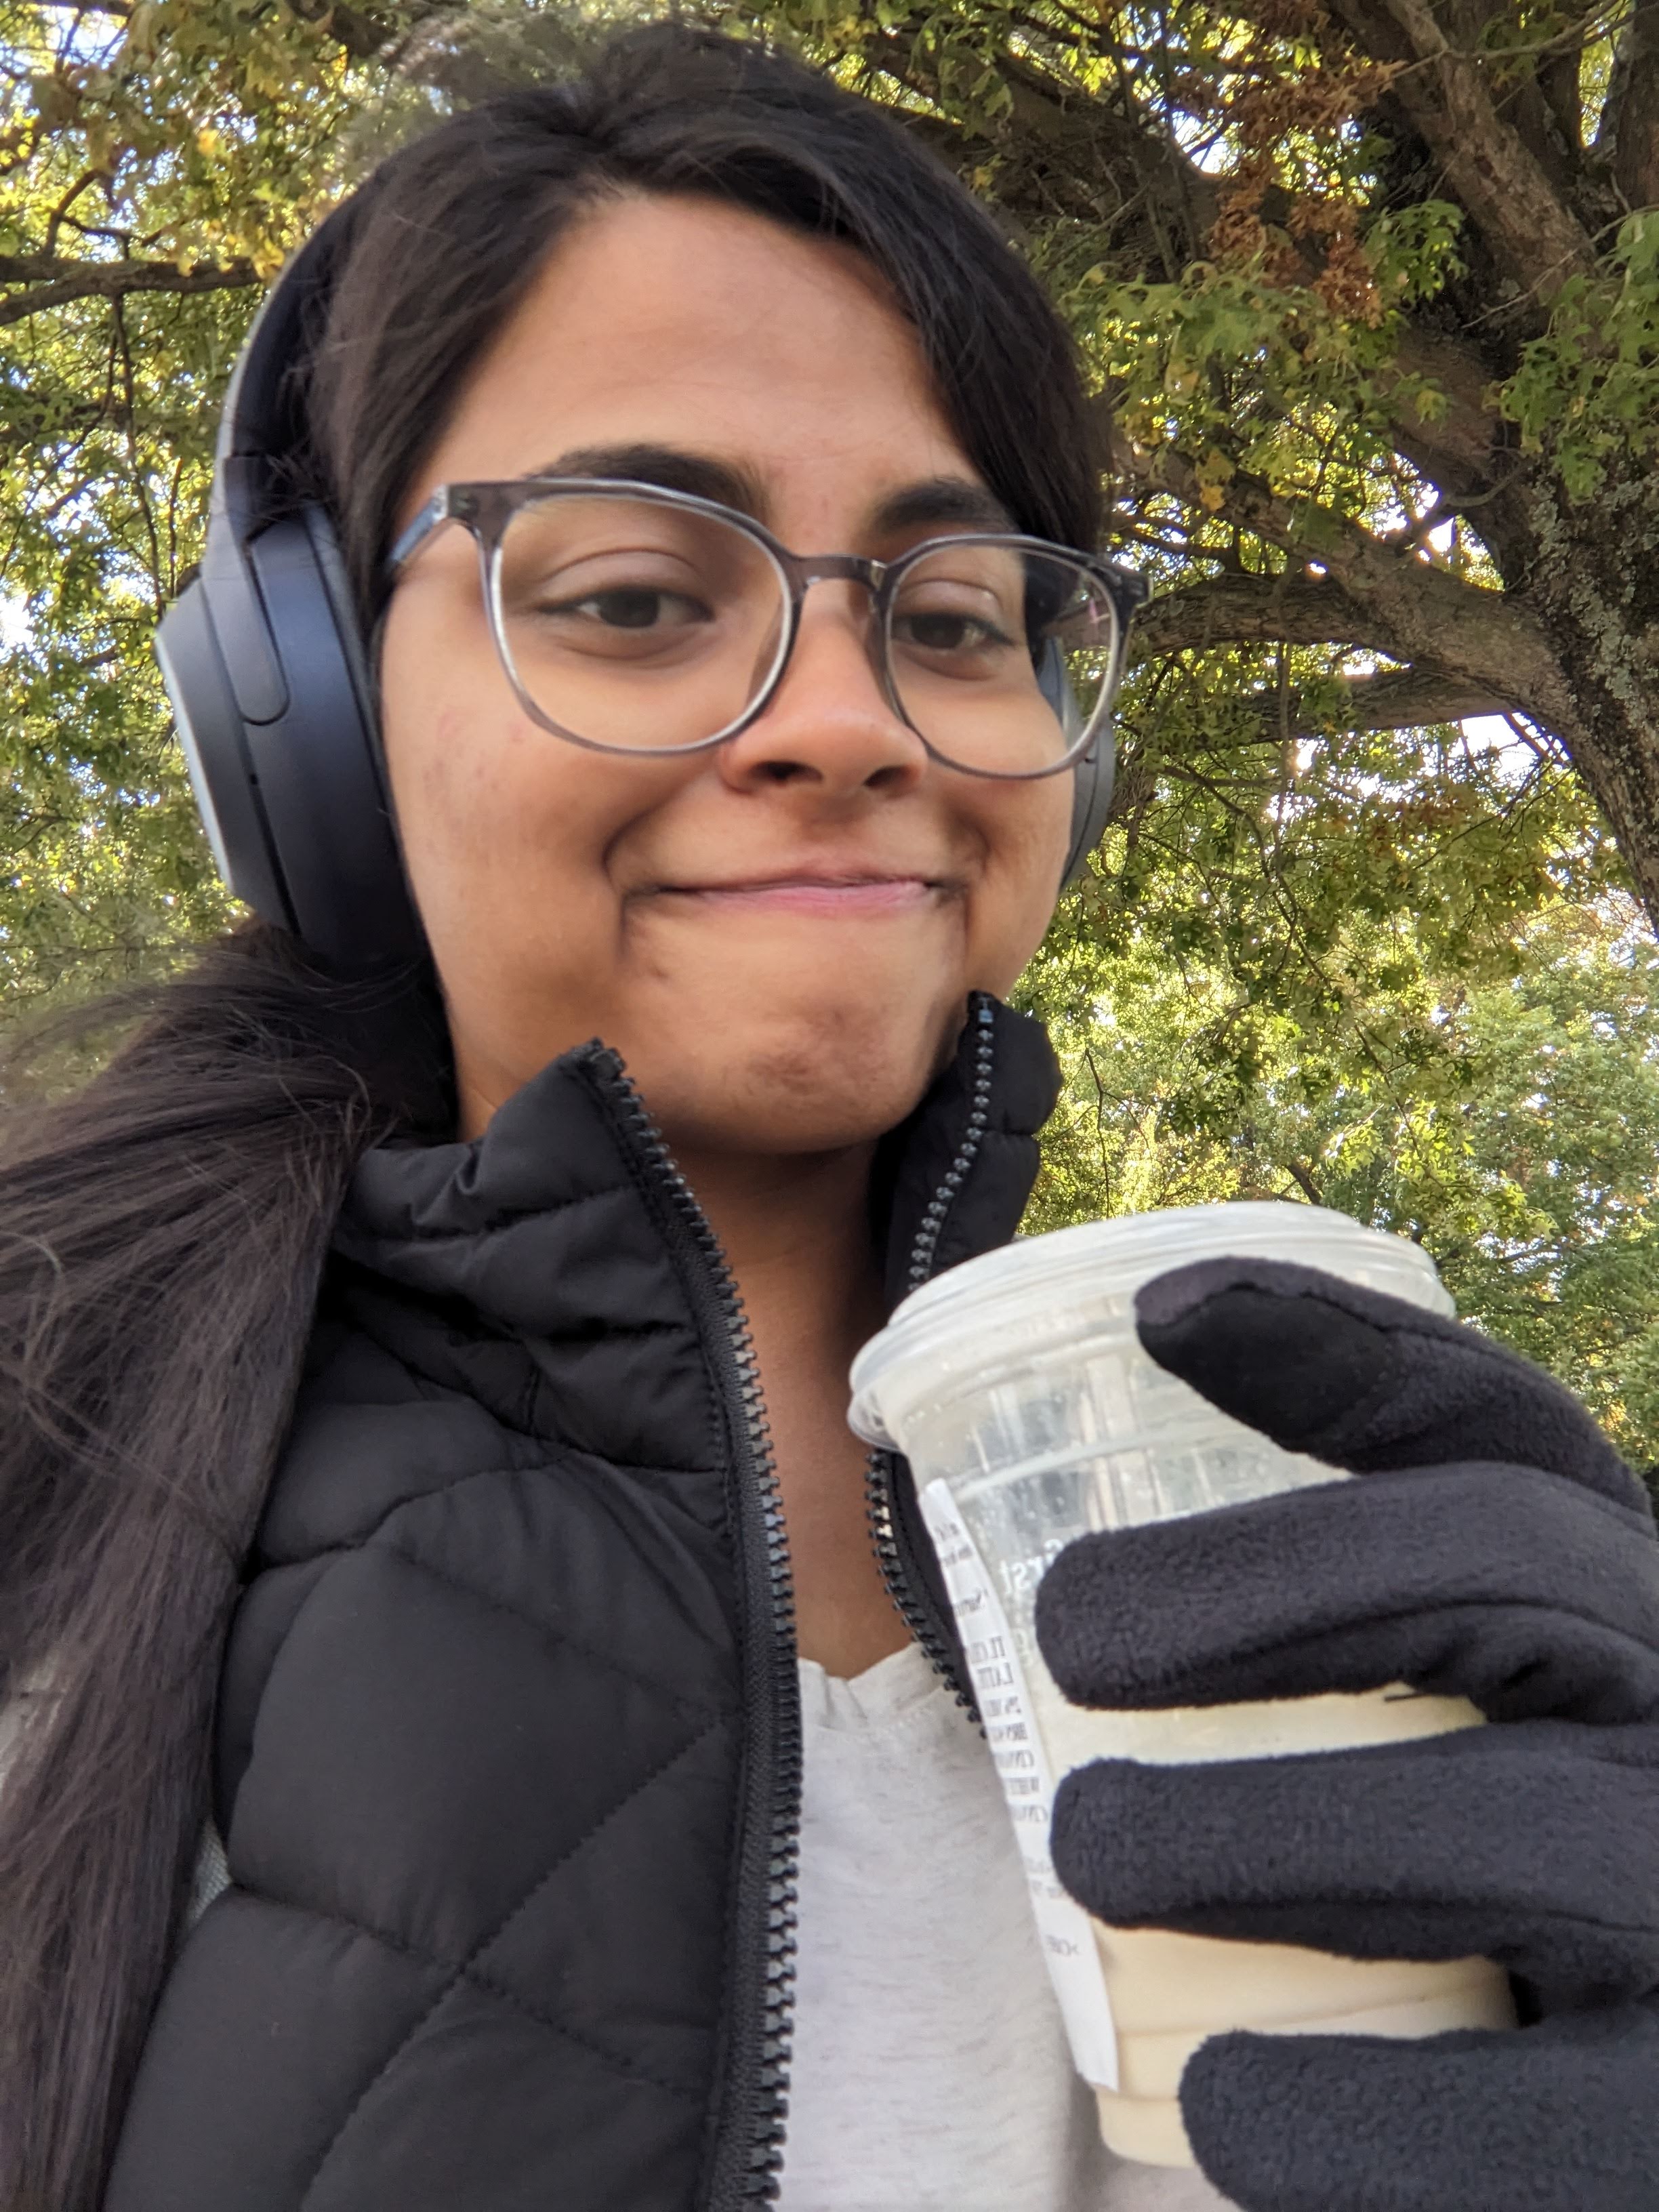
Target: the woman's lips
(850, 896)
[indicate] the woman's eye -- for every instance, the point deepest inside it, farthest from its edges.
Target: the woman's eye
(633, 606)
(626, 609)
(949, 631)
(940, 633)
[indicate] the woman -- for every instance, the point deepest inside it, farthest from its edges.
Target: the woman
(394, 1483)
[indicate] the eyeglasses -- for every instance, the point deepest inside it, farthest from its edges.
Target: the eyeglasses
(635, 620)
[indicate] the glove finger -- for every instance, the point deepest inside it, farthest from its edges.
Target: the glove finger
(1362, 1380)
(1558, 2118)
(1534, 1845)
(1499, 1583)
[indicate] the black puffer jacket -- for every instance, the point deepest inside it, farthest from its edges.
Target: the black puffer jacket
(509, 1764)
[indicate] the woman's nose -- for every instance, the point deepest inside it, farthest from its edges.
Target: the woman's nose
(829, 724)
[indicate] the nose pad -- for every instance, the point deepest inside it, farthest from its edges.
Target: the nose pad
(859, 575)
(881, 665)
(873, 642)
(766, 654)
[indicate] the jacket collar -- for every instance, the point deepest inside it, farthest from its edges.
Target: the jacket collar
(462, 1219)
(952, 1181)
(542, 1229)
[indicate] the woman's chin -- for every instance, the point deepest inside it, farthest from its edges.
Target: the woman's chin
(810, 1085)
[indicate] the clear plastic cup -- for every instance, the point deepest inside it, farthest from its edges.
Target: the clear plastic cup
(1017, 1387)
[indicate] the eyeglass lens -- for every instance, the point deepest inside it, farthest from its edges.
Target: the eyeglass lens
(643, 626)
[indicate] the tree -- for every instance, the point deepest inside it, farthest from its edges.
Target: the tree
(1372, 295)
(1510, 1126)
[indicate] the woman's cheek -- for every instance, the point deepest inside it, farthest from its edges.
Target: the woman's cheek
(1025, 848)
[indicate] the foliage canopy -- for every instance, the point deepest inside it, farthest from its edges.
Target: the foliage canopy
(1371, 290)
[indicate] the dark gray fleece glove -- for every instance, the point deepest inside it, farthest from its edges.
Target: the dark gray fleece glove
(1497, 1548)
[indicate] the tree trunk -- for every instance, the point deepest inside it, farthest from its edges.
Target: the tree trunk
(1595, 590)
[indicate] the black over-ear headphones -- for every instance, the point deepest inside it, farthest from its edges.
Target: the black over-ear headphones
(264, 664)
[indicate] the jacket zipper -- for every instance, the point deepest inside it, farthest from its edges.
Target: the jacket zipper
(905, 1585)
(748, 2151)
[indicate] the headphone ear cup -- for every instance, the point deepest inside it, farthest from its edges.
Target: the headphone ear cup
(1094, 777)
(214, 738)
(1095, 773)
(317, 764)
(337, 589)
(274, 704)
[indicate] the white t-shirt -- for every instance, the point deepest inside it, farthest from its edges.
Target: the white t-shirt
(930, 2072)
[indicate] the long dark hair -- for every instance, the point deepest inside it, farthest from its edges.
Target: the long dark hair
(163, 1225)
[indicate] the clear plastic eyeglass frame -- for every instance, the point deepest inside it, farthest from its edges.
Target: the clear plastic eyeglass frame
(487, 508)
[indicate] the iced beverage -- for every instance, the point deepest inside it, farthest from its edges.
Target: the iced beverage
(1017, 1389)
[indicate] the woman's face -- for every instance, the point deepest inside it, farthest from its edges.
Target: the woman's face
(779, 936)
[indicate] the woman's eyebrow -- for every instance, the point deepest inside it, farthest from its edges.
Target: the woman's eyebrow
(670, 468)
(953, 502)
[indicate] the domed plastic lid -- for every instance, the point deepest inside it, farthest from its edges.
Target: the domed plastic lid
(1036, 1294)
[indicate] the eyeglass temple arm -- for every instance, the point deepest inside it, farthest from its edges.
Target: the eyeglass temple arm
(1133, 586)
(435, 511)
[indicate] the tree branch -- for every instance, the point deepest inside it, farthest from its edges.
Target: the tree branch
(1142, 163)
(1558, 72)
(1065, 149)
(1627, 139)
(363, 32)
(1533, 107)
(1533, 235)
(1401, 605)
(56, 219)
(1304, 1182)
(1459, 448)
(1289, 610)
(109, 280)
(1467, 452)
(1245, 610)
(1393, 699)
